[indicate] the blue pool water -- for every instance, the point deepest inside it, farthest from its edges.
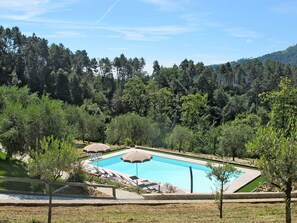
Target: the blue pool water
(164, 170)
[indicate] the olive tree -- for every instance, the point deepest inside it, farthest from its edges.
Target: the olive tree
(180, 138)
(275, 144)
(48, 163)
(277, 160)
(222, 174)
(132, 127)
(233, 139)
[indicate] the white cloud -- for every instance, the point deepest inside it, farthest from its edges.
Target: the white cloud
(168, 5)
(28, 9)
(148, 33)
(242, 33)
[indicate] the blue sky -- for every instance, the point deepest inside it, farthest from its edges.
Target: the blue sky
(208, 31)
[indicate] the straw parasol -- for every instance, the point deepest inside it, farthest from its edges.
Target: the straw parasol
(96, 148)
(136, 156)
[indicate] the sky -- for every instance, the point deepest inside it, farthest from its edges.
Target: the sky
(208, 31)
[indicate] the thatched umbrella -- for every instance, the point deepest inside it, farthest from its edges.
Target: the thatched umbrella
(136, 156)
(96, 148)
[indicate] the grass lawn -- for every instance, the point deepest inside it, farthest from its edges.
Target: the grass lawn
(15, 168)
(252, 185)
(178, 213)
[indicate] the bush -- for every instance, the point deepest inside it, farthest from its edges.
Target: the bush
(77, 175)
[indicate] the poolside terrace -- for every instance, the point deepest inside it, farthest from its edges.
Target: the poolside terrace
(247, 176)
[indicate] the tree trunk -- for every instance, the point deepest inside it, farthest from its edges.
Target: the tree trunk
(288, 200)
(233, 155)
(49, 218)
(221, 200)
(8, 156)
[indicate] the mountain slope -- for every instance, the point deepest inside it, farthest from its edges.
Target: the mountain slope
(287, 56)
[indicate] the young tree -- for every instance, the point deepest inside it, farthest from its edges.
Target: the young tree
(48, 163)
(222, 174)
(278, 160)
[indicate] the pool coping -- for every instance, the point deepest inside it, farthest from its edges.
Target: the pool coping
(247, 176)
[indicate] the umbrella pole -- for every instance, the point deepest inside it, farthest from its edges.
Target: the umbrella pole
(137, 173)
(136, 169)
(97, 162)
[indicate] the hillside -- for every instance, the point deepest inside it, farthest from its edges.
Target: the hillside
(287, 56)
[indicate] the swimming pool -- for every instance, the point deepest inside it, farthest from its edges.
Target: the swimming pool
(165, 170)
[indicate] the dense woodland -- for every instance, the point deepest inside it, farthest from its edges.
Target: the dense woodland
(46, 89)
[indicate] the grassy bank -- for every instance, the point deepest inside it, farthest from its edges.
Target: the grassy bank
(15, 168)
(178, 213)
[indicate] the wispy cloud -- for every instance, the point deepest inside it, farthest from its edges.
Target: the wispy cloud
(285, 8)
(35, 11)
(168, 5)
(149, 33)
(242, 33)
(24, 10)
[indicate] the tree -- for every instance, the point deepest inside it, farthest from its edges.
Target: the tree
(193, 110)
(35, 56)
(61, 83)
(181, 138)
(222, 174)
(48, 163)
(278, 160)
(139, 130)
(45, 117)
(134, 96)
(236, 105)
(233, 139)
(284, 105)
(276, 145)
(12, 129)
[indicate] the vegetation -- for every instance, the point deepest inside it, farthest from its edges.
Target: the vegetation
(50, 161)
(250, 187)
(222, 175)
(275, 144)
(50, 90)
(287, 56)
(180, 213)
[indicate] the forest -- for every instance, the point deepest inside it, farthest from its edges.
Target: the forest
(46, 89)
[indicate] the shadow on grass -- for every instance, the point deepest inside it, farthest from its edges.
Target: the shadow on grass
(16, 168)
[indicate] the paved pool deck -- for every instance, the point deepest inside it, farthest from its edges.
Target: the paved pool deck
(31, 200)
(248, 175)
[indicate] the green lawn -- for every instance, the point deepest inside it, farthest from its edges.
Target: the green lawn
(15, 168)
(252, 185)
